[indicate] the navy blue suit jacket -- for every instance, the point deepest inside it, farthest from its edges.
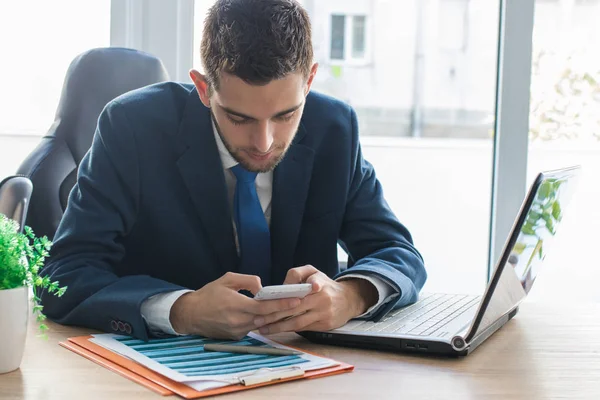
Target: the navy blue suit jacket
(149, 213)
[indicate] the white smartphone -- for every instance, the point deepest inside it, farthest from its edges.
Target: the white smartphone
(283, 291)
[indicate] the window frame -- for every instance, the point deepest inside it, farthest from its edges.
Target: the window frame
(162, 28)
(133, 21)
(349, 39)
(512, 121)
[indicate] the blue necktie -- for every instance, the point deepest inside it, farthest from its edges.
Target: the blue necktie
(252, 229)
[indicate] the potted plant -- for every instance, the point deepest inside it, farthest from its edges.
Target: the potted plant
(21, 257)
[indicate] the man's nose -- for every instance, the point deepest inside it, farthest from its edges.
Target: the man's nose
(263, 136)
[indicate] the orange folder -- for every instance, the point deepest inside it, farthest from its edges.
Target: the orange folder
(163, 385)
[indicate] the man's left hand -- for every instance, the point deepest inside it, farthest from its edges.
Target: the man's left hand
(330, 304)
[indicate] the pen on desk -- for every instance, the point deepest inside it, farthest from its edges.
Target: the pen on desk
(231, 348)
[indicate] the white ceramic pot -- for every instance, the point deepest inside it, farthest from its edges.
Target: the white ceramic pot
(14, 312)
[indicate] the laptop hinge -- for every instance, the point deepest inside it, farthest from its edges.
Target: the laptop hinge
(486, 333)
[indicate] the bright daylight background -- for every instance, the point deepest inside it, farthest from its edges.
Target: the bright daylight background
(421, 75)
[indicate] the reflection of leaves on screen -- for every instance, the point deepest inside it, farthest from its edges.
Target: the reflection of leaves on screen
(519, 248)
(541, 220)
(540, 223)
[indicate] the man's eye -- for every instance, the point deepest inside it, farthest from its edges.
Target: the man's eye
(286, 117)
(237, 121)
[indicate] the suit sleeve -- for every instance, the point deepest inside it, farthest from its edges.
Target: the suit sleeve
(101, 210)
(376, 242)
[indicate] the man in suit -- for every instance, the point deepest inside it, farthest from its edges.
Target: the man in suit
(192, 194)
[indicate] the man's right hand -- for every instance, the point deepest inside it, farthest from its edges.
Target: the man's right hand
(218, 311)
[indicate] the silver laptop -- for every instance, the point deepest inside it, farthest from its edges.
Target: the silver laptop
(455, 324)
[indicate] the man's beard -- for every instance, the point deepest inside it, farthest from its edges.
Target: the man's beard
(243, 162)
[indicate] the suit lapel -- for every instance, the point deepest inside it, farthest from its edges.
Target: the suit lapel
(202, 171)
(291, 180)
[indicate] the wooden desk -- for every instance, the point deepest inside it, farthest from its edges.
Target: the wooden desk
(547, 351)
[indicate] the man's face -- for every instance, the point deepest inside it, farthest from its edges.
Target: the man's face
(257, 123)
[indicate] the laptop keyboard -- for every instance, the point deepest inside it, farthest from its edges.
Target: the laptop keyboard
(423, 318)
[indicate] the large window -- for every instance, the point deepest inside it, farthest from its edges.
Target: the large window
(421, 76)
(39, 40)
(200, 9)
(565, 130)
(425, 103)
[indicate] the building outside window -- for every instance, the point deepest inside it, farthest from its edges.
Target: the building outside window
(348, 37)
(338, 37)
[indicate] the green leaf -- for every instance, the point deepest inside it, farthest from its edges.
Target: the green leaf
(550, 226)
(527, 230)
(519, 247)
(544, 190)
(556, 211)
(43, 328)
(336, 71)
(28, 231)
(534, 215)
(532, 224)
(22, 257)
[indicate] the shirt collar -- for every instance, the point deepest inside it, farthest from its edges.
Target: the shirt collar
(227, 159)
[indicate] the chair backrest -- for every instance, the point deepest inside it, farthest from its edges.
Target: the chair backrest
(15, 193)
(93, 79)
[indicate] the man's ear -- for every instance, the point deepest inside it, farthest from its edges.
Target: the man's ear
(201, 86)
(311, 76)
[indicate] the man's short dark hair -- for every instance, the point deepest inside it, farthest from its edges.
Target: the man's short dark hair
(256, 40)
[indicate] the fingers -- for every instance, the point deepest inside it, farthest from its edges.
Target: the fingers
(241, 303)
(318, 281)
(266, 307)
(293, 324)
(299, 274)
(246, 322)
(262, 320)
(308, 303)
(319, 326)
(240, 281)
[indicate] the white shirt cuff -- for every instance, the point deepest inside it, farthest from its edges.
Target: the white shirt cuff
(386, 291)
(156, 311)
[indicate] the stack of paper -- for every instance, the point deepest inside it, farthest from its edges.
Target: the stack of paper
(184, 360)
(180, 365)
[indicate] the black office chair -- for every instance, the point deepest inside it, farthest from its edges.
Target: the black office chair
(93, 79)
(15, 193)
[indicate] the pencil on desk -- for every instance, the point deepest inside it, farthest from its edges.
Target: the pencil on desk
(230, 348)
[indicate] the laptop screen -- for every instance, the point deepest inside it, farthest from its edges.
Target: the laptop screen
(531, 238)
(538, 230)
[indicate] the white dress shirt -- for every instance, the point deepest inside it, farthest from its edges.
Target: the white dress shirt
(156, 310)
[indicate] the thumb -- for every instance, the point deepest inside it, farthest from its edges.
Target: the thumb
(237, 282)
(317, 282)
